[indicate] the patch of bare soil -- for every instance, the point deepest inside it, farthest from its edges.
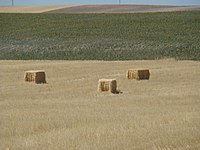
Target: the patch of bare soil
(123, 9)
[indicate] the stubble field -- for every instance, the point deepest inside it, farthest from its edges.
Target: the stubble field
(69, 113)
(30, 9)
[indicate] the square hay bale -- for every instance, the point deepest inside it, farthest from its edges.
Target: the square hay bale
(36, 76)
(107, 85)
(138, 74)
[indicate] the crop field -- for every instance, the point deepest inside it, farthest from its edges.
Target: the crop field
(122, 9)
(100, 36)
(68, 113)
(30, 9)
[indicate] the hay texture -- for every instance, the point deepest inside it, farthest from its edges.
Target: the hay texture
(36, 76)
(138, 74)
(109, 85)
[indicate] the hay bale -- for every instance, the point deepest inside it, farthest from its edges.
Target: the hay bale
(138, 74)
(36, 76)
(107, 85)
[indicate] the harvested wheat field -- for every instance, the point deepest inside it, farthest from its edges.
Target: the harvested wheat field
(68, 113)
(30, 9)
(95, 9)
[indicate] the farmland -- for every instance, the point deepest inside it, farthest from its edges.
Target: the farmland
(30, 9)
(100, 36)
(68, 112)
(122, 9)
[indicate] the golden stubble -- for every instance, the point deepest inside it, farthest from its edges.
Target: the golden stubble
(69, 113)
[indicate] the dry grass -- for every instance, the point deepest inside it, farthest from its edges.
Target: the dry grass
(68, 113)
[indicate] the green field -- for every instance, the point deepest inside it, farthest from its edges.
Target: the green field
(100, 36)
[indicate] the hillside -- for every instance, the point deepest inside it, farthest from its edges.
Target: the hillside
(122, 9)
(94, 9)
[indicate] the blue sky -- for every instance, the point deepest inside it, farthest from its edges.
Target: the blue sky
(65, 2)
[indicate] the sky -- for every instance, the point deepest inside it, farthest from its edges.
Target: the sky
(75, 2)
